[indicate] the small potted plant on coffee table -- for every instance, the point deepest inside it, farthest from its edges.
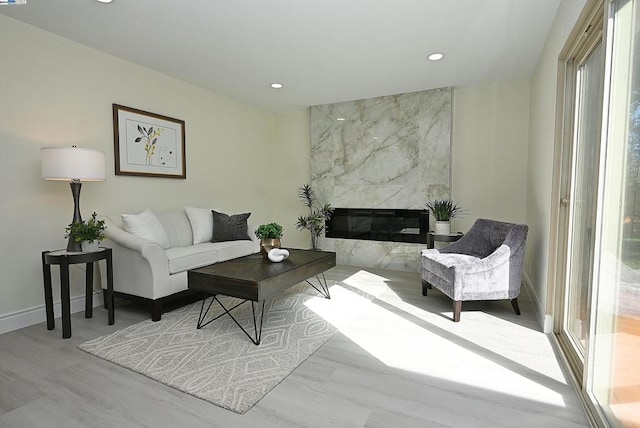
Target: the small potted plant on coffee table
(89, 233)
(269, 235)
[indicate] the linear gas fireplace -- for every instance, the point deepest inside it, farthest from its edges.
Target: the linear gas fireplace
(375, 224)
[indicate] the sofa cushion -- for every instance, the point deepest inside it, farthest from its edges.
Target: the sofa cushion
(201, 224)
(229, 227)
(191, 257)
(195, 256)
(176, 225)
(233, 249)
(146, 225)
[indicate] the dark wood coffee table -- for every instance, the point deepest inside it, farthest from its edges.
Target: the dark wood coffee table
(254, 279)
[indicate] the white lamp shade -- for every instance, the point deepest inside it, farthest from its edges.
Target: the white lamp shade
(72, 163)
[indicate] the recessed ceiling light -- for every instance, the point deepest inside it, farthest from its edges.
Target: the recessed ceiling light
(435, 57)
(277, 85)
(105, 1)
(340, 118)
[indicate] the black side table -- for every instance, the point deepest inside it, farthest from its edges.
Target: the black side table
(64, 259)
(451, 237)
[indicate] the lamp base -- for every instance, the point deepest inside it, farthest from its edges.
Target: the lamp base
(72, 245)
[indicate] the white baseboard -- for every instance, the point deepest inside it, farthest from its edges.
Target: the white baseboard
(36, 315)
(548, 324)
(538, 308)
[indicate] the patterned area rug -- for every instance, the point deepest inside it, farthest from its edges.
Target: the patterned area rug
(218, 363)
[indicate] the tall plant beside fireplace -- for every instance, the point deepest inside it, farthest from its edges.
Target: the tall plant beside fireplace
(315, 220)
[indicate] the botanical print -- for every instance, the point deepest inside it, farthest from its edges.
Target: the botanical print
(150, 145)
(150, 137)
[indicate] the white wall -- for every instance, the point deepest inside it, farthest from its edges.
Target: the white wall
(291, 169)
(56, 92)
(489, 152)
(542, 124)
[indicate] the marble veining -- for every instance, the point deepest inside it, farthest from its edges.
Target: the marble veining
(402, 256)
(388, 152)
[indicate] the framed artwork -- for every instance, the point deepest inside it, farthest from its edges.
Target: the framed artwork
(148, 144)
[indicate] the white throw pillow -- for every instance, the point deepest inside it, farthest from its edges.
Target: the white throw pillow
(201, 224)
(146, 225)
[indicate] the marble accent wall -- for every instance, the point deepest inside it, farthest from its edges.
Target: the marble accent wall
(386, 152)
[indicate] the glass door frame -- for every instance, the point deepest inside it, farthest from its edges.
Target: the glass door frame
(591, 34)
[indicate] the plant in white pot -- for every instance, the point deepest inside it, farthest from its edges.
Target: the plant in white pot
(443, 210)
(315, 220)
(89, 233)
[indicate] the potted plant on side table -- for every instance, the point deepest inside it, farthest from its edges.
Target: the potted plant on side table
(269, 235)
(89, 233)
(443, 210)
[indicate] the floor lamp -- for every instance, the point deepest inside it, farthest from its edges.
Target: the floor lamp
(75, 165)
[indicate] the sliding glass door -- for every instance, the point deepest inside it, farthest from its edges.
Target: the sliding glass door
(599, 305)
(586, 77)
(613, 369)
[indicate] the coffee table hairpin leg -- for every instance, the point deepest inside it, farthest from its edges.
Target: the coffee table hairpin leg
(324, 288)
(257, 331)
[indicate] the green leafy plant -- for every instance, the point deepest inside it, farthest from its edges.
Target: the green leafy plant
(445, 209)
(269, 231)
(91, 230)
(315, 220)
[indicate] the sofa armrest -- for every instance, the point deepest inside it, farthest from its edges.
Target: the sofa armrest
(150, 250)
(121, 237)
(141, 267)
(251, 229)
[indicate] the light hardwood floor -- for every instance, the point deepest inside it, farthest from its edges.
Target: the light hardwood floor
(402, 363)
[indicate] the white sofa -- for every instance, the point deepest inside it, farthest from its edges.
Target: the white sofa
(154, 268)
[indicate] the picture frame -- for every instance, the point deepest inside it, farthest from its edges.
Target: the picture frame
(148, 144)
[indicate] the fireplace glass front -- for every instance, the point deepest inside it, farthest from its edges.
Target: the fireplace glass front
(396, 225)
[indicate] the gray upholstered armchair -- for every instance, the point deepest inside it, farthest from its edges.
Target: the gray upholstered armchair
(485, 264)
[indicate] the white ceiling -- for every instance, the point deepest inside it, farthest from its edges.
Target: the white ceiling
(323, 51)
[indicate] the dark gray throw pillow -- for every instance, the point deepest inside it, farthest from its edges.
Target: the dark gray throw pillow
(229, 228)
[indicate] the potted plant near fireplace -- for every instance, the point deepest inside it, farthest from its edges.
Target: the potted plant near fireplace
(269, 235)
(443, 210)
(89, 233)
(315, 220)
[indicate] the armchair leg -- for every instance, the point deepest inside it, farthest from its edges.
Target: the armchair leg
(457, 308)
(514, 303)
(425, 287)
